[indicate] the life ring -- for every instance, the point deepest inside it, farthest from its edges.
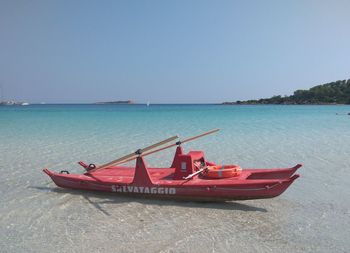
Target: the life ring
(222, 171)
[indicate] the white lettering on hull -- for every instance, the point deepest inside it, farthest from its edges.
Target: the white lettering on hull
(144, 190)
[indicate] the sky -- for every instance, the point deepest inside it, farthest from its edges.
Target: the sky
(187, 51)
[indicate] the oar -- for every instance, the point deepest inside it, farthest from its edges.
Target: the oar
(195, 173)
(135, 154)
(169, 146)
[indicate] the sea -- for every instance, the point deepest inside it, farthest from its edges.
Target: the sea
(313, 215)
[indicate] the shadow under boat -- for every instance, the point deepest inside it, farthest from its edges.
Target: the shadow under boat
(111, 198)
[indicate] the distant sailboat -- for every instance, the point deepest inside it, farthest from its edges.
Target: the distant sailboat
(148, 103)
(25, 103)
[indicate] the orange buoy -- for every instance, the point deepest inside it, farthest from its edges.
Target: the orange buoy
(222, 171)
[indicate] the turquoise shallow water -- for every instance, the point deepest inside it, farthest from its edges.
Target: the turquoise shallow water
(312, 216)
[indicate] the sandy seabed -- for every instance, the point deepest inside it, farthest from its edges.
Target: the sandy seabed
(313, 215)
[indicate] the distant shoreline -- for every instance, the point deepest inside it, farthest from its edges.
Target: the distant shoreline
(175, 104)
(334, 93)
(244, 103)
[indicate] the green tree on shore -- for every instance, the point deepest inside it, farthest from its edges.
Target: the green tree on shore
(330, 93)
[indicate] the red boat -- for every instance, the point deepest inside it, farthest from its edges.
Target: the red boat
(189, 177)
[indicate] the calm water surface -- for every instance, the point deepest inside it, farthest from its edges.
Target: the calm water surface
(312, 216)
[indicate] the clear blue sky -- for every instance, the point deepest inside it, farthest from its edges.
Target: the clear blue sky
(170, 51)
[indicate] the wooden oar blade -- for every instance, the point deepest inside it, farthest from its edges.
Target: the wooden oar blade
(201, 135)
(159, 143)
(135, 154)
(169, 146)
(147, 153)
(141, 152)
(115, 161)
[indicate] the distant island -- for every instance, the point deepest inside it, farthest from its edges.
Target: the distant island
(128, 102)
(330, 93)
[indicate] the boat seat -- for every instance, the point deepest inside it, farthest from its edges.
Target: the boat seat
(184, 163)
